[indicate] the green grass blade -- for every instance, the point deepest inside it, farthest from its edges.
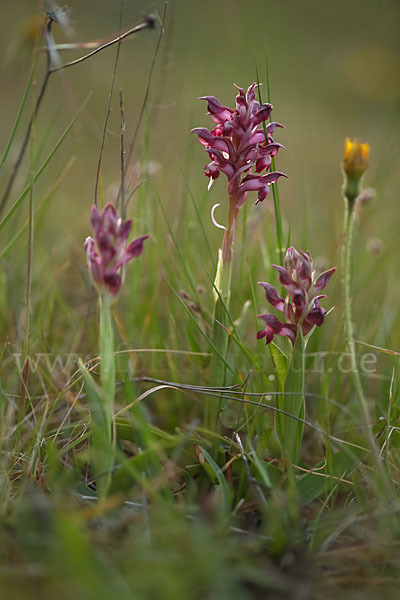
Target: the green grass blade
(312, 485)
(275, 190)
(223, 359)
(290, 431)
(200, 220)
(20, 111)
(40, 171)
(178, 250)
(260, 465)
(102, 454)
(39, 213)
(226, 498)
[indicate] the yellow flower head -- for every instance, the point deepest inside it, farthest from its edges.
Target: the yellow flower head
(32, 29)
(355, 159)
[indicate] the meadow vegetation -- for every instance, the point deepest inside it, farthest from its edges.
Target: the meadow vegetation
(219, 417)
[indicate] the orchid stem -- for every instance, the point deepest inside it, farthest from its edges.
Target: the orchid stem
(290, 430)
(348, 235)
(220, 338)
(107, 378)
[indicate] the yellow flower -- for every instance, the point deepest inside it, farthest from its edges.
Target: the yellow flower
(355, 159)
(32, 29)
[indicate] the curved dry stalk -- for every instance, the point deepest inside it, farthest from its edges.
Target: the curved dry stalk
(103, 139)
(6, 195)
(146, 95)
(147, 23)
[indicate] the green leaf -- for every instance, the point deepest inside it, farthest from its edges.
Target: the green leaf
(280, 361)
(215, 473)
(101, 450)
(139, 469)
(259, 465)
(289, 430)
(146, 438)
(313, 485)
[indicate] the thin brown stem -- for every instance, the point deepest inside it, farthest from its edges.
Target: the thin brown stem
(146, 95)
(31, 225)
(109, 109)
(147, 23)
(21, 153)
(122, 195)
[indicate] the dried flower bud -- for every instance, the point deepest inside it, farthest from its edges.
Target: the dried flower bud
(367, 196)
(374, 246)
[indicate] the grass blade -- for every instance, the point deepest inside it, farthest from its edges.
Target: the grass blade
(20, 112)
(40, 171)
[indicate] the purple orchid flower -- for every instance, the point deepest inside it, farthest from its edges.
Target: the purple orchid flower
(108, 251)
(238, 145)
(301, 307)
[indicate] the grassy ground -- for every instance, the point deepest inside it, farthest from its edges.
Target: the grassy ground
(196, 511)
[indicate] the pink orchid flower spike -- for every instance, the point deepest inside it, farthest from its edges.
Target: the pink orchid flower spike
(109, 250)
(239, 147)
(301, 307)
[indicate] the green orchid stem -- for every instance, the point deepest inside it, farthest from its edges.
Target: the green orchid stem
(107, 378)
(107, 373)
(348, 235)
(227, 244)
(289, 430)
(227, 252)
(220, 337)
